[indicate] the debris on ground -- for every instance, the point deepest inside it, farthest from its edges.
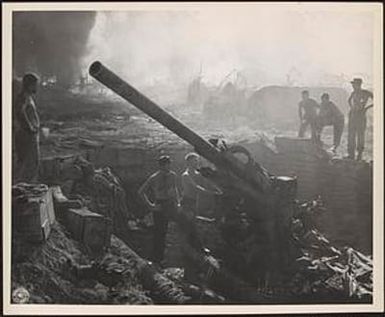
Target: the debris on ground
(324, 269)
(60, 272)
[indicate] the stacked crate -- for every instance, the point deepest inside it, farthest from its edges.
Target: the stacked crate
(91, 229)
(32, 211)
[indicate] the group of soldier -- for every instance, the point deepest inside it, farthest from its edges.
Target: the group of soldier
(163, 184)
(167, 201)
(318, 116)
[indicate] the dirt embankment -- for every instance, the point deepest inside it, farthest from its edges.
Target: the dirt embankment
(46, 272)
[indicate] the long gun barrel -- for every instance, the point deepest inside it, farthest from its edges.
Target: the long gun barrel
(252, 185)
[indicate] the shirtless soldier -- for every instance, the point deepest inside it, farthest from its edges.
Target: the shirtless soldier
(27, 131)
(192, 184)
(358, 102)
(164, 207)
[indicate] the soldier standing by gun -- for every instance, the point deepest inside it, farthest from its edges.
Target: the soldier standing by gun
(27, 130)
(191, 184)
(357, 118)
(165, 204)
(307, 111)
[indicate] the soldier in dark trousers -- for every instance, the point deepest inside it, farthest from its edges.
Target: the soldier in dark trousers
(330, 115)
(165, 203)
(27, 131)
(357, 118)
(307, 111)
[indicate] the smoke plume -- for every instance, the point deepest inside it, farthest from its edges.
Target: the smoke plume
(51, 43)
(270, 45)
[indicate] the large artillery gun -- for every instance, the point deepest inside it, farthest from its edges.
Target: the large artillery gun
(254, 181)
(266, 199)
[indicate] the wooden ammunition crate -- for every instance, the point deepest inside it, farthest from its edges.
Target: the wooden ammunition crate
(32, 219)
(97, 233)
(89, 228)
(74, 222)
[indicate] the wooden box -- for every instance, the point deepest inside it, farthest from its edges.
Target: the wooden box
(89, 228)
(74, 222)
(32, 218)
(97, 232)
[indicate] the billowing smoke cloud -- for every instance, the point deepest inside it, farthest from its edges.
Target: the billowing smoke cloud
(51, 43)
(148, 47)
(269, 45)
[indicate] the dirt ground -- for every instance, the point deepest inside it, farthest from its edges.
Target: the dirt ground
(42, 270)
(73, 118)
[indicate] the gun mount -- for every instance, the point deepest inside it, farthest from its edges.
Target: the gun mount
(266, 199)
(251, 179)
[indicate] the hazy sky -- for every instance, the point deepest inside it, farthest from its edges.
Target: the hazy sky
(265, 44)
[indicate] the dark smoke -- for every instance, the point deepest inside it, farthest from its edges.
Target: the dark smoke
(51, 43)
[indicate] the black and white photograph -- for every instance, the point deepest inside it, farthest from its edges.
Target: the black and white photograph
(185, 156)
